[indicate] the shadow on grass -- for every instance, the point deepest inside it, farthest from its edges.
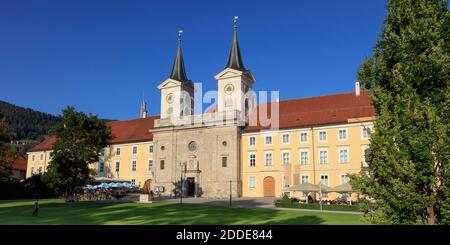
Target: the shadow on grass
(158, 214)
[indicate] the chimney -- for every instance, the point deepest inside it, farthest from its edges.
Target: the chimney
(357, 88)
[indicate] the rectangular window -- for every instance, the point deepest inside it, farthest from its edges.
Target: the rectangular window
(117, 151)
(224, 161)
(32, 157)
(101, 152)
(322, 135)
(343, 155)
(134, 150)
(344, 178)
(101, 166)
(150, 148)
(304, 157)
(32, 170)
(252, 141)
(303, 137)
(323, 156)
(40, 170)
(133, 181)
(304, 179)
(324, 180)
(42, 157)
(286, 157)
(133, 165)
(342, 134)
(228, 102)
(161, 164)
(366, 133)
(252, 182)
(364, 149)
(285, 138)
(268, 161)
(252, 159)
(268, 140)
(117, 166)
(150, 164)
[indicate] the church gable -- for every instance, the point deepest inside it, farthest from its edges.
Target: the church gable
(169, 83)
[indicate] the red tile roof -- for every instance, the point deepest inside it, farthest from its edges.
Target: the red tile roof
(19, 163)
(126, 131)
(321, 110)
(47, 144)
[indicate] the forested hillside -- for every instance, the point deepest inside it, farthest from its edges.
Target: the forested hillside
(27, 124)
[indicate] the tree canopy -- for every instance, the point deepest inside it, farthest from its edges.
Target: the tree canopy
(80, 138)
(409, 157)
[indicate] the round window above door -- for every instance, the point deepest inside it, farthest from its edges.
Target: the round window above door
(192, 146)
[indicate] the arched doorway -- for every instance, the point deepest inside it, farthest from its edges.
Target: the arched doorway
(269, 186)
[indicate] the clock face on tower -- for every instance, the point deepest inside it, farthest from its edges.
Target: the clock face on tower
(169, 98)
(229, 88)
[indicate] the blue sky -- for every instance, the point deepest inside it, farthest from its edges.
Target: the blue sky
(100, 56)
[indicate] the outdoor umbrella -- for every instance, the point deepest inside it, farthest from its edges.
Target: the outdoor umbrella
(342, 188)
(103, 185)
(308, 187)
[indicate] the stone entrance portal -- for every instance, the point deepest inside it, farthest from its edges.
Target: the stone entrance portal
(190, 182)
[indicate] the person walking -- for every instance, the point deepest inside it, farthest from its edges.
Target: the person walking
(36, 208)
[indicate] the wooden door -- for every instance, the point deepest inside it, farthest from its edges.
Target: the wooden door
(269, 186)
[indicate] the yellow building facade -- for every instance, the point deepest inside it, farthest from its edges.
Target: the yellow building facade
(275, 160)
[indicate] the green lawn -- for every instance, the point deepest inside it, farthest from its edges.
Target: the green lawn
(58, 212)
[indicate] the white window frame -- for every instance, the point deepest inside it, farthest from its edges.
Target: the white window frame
(150, 148)
(301, 178)
(133, 181)
(40, 169)
(249, 159)
(318, 136)
(327, 156)
(271, 158)
(133, 161)
(288, 138)
(32, 170)
(33, 157)
(348, 154)
(132, 150)
(250, 182)
(115, 166)
(300, 156)
(100, 168)
(118, 151)
(41, 157)
(265, 139)
(282, 157)
(363, 155)
(362, 132)
(328, 179)
(345, 176)
(250, 141)
(346, 134)
(300, 138)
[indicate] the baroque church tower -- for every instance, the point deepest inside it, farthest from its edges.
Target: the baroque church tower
(177, 91)
(235, 83)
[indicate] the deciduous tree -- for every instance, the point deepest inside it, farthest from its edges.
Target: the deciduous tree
(80, 138)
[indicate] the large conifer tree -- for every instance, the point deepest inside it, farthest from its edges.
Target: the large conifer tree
(408, 180)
